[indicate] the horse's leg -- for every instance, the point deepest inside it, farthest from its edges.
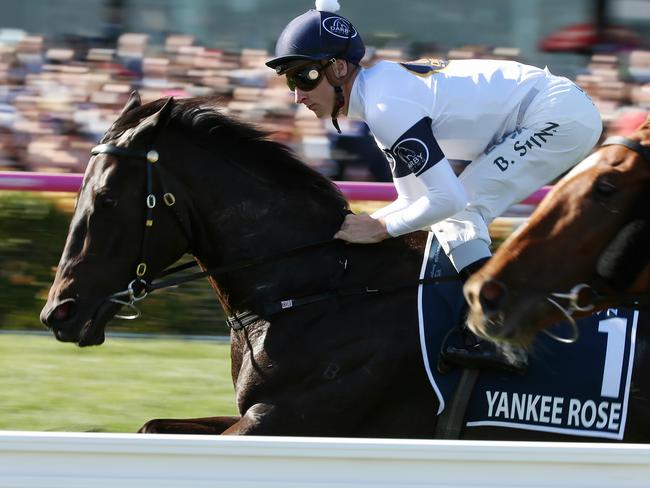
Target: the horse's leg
(205, 425)
(412, 418)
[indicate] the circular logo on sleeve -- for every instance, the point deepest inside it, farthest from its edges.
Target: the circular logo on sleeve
(412, 152)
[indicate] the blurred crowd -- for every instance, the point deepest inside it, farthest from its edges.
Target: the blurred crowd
(58, 98)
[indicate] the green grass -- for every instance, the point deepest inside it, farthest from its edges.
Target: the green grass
(50, 386)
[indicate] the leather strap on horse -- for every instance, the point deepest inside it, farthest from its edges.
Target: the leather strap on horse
(354, 291)
(450, 422)
(639, 301)
(630, 144)
(242, 319)
(219, 270)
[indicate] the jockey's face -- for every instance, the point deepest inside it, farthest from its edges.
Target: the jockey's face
(319, 100)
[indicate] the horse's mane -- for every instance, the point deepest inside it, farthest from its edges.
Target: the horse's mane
(201, 119)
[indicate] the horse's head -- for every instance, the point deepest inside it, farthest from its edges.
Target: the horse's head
(107, 242)
(561, 246)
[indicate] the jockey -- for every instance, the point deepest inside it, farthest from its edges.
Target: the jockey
(512, 128)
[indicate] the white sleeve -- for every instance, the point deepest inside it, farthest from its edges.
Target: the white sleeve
(404, 130)
(444, 197)
(399, 204)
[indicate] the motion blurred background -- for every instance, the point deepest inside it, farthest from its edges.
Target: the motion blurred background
(67, 67)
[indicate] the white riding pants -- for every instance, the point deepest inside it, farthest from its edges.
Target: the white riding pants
(558, 129)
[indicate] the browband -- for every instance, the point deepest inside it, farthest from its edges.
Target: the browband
(151, 156)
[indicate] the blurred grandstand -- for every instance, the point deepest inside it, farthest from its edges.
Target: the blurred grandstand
(56, 102)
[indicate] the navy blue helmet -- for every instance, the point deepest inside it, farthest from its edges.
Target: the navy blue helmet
(314, 36)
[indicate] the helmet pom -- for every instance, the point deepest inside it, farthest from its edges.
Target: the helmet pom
(328, 5)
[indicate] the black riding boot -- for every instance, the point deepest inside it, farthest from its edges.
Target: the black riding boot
(462, 348)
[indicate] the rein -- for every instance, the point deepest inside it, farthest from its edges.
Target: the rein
(140, 287)
(577, 294)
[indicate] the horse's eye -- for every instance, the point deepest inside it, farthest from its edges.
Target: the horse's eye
(106, 201)
(603, 187)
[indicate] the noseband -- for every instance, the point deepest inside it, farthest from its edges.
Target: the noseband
(576, 295)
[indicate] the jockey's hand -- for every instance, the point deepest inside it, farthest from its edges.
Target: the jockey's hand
(362, 229)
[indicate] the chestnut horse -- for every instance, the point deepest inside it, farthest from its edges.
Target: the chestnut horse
(325, 339)
(585, 248)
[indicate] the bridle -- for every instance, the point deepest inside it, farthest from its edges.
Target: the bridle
(139, 287)
(584, 297)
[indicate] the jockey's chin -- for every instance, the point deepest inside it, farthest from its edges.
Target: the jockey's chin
(318, 110)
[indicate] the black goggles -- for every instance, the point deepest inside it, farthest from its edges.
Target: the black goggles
(307, 78)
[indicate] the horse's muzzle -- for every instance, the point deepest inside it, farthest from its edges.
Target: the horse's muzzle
(60, 317)
(492, 297)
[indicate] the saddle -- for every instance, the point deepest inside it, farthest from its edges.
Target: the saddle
(580, 389)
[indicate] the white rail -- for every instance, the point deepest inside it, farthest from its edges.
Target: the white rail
(71, 460)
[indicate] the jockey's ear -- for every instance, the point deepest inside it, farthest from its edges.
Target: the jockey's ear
(340, 68)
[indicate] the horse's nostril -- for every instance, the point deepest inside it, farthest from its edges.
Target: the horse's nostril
(491, 296)
(491, 291)
(62, 313)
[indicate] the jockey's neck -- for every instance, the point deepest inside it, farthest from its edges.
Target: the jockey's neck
(347, 88)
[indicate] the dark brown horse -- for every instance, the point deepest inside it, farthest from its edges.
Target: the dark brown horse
(319, 351)
(585, 248)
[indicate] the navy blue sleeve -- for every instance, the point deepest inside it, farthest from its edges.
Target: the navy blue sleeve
(415, 151)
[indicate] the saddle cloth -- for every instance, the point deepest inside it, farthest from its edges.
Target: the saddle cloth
(579, 389)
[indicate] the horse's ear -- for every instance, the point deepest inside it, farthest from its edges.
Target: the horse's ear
(133, 102)
(151, 126)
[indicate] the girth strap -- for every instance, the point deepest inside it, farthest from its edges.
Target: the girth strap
(268, 309)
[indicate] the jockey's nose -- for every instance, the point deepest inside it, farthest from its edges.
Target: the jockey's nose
(299, 95)
(491, 297)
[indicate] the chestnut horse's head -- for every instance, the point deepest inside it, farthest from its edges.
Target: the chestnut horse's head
(103, 249)
(568, 241)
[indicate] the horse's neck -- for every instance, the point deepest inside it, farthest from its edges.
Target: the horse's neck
(258, 222)
(241, 219)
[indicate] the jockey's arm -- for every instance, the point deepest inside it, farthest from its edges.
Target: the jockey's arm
(427, 187)
(437, 195)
